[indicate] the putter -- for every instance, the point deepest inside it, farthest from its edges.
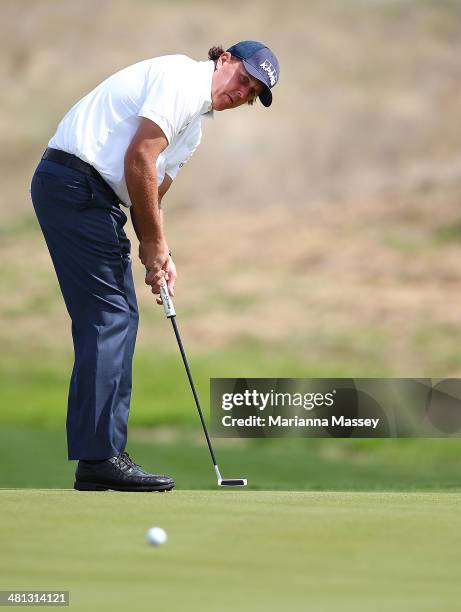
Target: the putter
(171, 314)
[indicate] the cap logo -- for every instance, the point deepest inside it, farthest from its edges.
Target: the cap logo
(271, 72)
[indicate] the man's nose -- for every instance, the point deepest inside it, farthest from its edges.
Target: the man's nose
(243, 92)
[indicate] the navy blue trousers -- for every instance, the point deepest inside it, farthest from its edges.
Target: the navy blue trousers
(82, 223)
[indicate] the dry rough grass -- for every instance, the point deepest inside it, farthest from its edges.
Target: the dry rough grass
(329, 224)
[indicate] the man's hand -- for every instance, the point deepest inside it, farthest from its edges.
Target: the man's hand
(170, 275)
(154, 255)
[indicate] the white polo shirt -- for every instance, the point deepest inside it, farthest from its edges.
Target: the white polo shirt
(174, 91)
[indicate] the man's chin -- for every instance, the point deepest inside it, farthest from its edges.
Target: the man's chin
(221, 105)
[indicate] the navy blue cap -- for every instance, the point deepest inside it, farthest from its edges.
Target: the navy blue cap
(261, 63)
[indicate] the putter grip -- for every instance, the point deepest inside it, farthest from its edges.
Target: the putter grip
(167, 301)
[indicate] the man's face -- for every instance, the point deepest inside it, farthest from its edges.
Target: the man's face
(232, 86)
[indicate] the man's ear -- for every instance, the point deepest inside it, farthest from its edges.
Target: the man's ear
(223, 58)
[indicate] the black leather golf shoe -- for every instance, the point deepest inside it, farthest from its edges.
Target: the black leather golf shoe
(119, 474)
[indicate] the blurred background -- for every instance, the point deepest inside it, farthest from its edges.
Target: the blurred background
(320, 237)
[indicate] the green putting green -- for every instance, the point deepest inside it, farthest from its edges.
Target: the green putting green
(235, 550)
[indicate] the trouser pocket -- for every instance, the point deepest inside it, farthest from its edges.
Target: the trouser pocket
(55, 186)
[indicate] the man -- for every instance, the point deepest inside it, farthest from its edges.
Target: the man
(123, 144)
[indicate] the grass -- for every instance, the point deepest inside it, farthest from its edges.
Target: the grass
(38, 459)
(33, 388)
(449, 233)
(22, 227)
(235, 550)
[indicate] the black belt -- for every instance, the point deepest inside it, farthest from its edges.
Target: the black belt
(72, 161)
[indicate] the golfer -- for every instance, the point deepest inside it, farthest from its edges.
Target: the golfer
(121, 147)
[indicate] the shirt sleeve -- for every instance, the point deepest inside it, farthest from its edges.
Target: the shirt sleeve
(166, 102)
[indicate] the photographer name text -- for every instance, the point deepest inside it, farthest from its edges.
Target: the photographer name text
(279, 421)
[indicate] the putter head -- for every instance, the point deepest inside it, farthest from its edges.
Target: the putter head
(229, 482)
(232, 482)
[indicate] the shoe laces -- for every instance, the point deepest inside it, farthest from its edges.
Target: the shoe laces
(125, 458)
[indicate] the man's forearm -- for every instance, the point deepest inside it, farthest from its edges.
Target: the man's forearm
(134, 221)
(141, 180)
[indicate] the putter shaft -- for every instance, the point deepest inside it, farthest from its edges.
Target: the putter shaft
(171, 314)
(192, 386)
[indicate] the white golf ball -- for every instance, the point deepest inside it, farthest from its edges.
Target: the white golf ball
(156, 536)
